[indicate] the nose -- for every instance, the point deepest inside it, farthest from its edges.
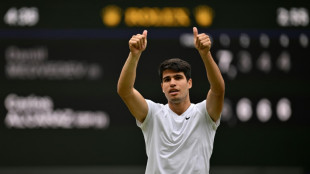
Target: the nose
(172, 83)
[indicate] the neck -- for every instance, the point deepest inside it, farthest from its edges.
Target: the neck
(179, 107)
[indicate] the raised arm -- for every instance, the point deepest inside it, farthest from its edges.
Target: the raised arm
(125, 87)
(215, 97)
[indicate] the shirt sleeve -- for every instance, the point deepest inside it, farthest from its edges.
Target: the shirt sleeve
(203, 108)
(149, 113)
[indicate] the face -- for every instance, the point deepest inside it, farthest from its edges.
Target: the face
(175, 86)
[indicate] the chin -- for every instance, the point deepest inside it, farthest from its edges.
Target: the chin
(175, 100)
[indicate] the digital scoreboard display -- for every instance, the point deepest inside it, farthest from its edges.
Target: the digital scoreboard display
(60, 63)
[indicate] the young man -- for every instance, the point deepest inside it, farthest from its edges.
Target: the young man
(179, 135)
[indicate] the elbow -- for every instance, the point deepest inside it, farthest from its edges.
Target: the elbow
(219, 89)
(222, 88)
(120, 91)
(123, 92)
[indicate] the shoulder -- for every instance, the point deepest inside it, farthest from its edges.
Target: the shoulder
(202, 109)
(153, 109)
(153, 105)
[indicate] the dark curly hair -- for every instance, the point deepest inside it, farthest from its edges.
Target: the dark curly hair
(177, 65)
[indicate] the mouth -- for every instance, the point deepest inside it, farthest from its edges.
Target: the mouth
(173, 91)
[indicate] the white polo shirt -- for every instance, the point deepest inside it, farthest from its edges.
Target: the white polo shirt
(178, 144)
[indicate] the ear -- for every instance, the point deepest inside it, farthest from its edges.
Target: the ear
(190, 83)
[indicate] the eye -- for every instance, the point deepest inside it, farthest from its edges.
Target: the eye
(167, 79)
(178, 77)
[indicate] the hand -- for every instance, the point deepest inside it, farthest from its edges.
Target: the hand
(138, 43)
(202, 42)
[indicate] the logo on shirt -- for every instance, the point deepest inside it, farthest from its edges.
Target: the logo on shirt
(186, 118)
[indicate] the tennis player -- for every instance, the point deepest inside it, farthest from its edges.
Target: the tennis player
(178, 135)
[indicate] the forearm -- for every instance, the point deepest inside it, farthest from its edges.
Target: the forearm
(128, 75)
(214, 75)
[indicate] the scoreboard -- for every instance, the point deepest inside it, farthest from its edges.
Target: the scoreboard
(60, 63)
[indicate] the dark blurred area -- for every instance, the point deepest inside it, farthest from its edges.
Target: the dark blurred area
(60, 63)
